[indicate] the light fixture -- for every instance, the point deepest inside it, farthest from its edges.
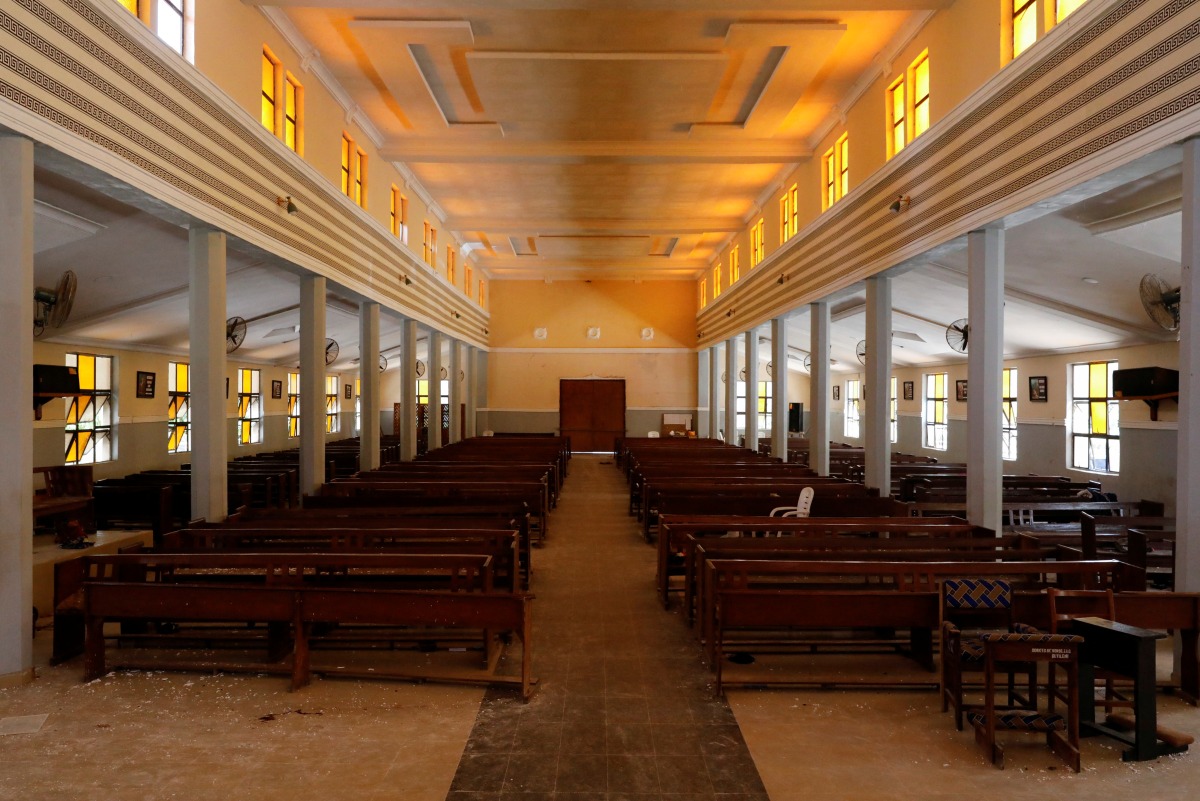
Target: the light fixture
(287, 203)
(900, 204)
(456, 315)
(539, 333)
(407, 280)
(593, 332)
(782, 278)
(1092, 281)
(647, 333)
(729, 313)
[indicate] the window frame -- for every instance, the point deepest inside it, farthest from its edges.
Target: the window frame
(94, 412)
(360, 177)
(716, 281)
(293, 405)
(894, 411)
(1008, 414)
(1089, 405)
(935, 412)
(757, 243)
(269, 103)
(293, 113)
(347, 150)
(250, 407)
(452, 268)
(703, 292)
(852, 411)
(919, 105)
(897, 102)
(179, 408)
(333, 404)
(835, 171)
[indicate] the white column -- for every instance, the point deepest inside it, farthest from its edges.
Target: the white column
(1187, 477)
(472, 391)
(731, 377)
(210, 430)
(481, 385)
(312, 383)
(818, 454)
(368, 375)
(714, 391)
(752, 390)
(877, 384)
(16, 418)
(703, 399)
(985, 361)
(433, 438)
(779, 388)
(456, 391)
(408, 390)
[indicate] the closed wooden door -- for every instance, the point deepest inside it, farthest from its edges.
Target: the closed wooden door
(591, 412)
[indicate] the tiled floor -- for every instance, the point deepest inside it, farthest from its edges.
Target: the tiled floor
(624, 707)
(623, 712)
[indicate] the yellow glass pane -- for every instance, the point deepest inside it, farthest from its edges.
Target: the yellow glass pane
(131, 6)
(1098, 380)
(244, 432)
(1065, 7)
(921, 80)
(1099, 414)
(1024, 28)
(87, 372)
(173, 438)
(182, 376)
(243, 406)
(939, 413)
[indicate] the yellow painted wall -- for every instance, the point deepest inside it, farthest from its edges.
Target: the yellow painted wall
(229, 38)
(528, 381)
(964, 42)
(566, 309)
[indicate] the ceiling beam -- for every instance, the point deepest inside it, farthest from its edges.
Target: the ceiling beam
(557, 227)
(723, 6)
(959, 278)
(707, 150)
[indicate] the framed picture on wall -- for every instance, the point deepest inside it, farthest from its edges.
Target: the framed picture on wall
(349, 391)
(1038, 391)
(145, 384)
(908, 390)
(837, 391)
(277, 389)
(960, 391)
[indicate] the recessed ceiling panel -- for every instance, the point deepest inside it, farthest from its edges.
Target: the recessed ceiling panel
(596, 95)
(590, 247)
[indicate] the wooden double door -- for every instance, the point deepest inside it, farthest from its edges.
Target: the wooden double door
(591, 412)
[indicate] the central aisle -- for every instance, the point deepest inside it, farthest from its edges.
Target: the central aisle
(624, 704)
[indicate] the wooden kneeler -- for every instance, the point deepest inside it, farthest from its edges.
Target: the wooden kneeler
(1061, 730)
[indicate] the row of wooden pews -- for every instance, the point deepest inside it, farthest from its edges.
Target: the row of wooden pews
(365, 585)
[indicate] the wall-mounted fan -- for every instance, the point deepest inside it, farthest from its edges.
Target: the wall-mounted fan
(331, 350)
(420, 368)
(443, 373)
(808, 362)
(52, 307)
(742, 374)
(770, 369)
(235, 333)
(957, 335)
(1160, 301)
(860, 350)
(382, 362)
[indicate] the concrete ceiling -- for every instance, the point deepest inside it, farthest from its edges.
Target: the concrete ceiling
(611, 139)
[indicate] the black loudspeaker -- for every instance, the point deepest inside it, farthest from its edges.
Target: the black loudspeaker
(1145, 381)
(50, 378)
(795, 418)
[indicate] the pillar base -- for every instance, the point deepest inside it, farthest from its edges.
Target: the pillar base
(17, 679)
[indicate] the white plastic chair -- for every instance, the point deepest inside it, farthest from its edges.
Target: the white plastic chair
(802, 507)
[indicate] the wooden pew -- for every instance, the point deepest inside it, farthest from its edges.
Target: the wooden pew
(763, 596)
(281, 591)
(679, 533)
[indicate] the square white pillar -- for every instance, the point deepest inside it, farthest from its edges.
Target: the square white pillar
(877, 386)
(456, 391)
(369, 381)
(16, 416)
(312, 383)
(433, 437)
(408, 390)
(985, 363)
(714, 392)
(779, 388)
(818, 436)
(731, 377)
(210, 429)
(1187, 479)
(752, 390)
